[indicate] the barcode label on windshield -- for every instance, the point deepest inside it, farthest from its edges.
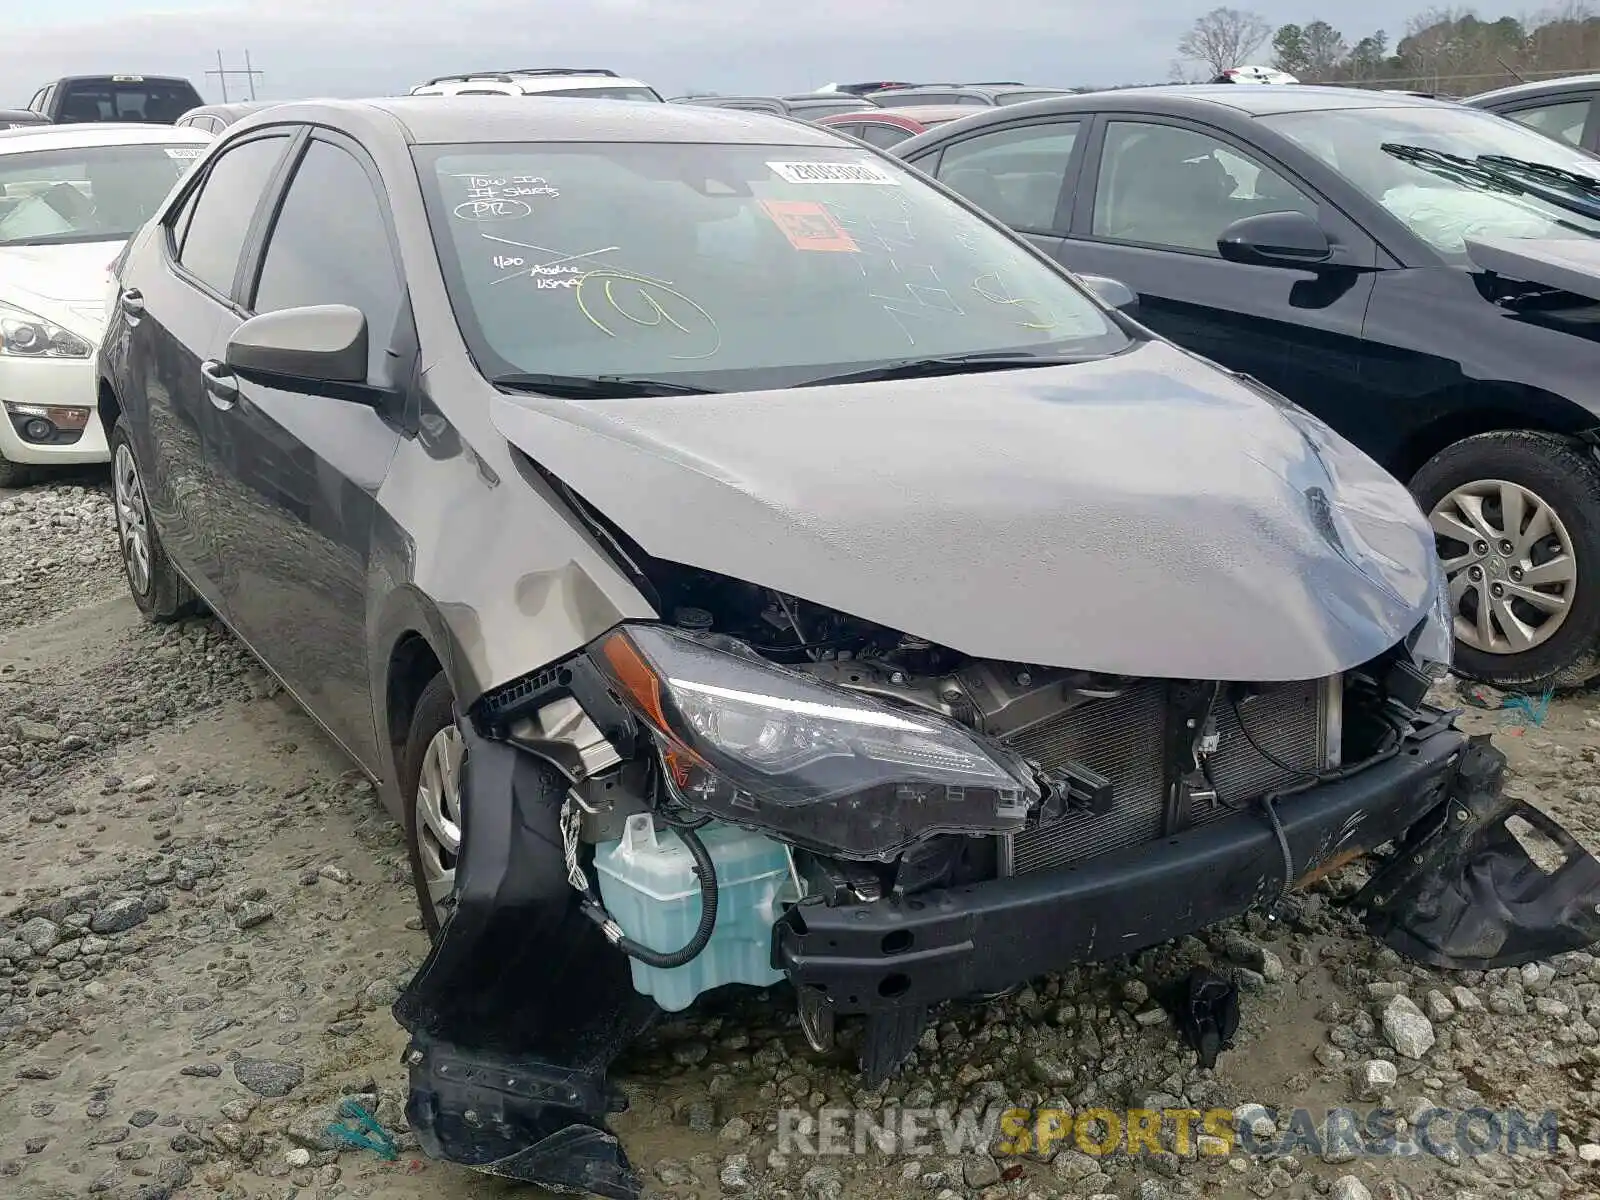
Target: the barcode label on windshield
(827, 172)
(185, 152)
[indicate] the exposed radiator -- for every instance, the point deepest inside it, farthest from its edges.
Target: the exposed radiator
(1122, 738)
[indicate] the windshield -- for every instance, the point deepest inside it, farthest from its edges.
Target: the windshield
(85, 193)
(731, 267)
(606, 93)
(1441, 205)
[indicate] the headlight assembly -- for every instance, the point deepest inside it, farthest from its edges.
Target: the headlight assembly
(826, 768)
(1432, 643)
(25, 335)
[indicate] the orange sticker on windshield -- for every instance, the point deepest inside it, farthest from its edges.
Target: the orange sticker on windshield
(809, 226)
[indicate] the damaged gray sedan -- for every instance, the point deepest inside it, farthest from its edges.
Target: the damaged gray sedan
(740, 561)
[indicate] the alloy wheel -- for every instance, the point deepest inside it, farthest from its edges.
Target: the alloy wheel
(438, 821)
(133, 533)
(1510, 565)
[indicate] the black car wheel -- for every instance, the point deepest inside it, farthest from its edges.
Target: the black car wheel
(430, 782)
(158, 589)
(1516, 517)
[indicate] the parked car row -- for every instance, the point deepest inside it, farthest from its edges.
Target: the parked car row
(874, 605)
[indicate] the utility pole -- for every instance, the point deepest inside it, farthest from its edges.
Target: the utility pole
(222, 73)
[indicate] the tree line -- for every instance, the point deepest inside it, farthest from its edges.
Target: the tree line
(1445, 51)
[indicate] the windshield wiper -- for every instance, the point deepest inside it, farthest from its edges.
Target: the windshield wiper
(1509, 176)
(953, 364)
(595, 387)
(1577, 179)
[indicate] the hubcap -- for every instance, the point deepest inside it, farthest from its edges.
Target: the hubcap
(1509, 562)
(439, 817)
(132, 531)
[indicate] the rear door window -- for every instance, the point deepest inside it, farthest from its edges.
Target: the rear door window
(883, 135)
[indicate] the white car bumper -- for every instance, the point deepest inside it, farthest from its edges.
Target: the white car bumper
(50, 383)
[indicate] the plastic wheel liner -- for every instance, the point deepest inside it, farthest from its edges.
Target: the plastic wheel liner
(522, 1005)
(1463, 891)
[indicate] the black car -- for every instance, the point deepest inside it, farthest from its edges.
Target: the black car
(738, 560)
(1562, 108)
(1327, 241)
(149, 99)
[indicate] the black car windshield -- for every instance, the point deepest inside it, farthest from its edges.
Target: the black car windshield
(1376, 150)
(86, 193)
(731, 267)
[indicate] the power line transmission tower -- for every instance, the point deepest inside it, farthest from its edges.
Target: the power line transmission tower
(223, 72)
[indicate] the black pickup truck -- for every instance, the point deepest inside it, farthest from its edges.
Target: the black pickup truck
(150, 99)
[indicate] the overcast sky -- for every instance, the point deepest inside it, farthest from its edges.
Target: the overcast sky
(377, 47)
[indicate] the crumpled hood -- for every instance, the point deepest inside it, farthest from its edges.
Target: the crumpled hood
(70, 279)
(1146, 514)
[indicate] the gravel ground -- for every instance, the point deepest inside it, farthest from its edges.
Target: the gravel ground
(204, 915)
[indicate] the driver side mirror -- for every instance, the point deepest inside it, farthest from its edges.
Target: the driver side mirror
(1112, 292)
(1276, 239)
(320, 349)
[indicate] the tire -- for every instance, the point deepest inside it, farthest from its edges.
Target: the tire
(14, 475)
(433, 727)
(1540, 469)
(156, 587)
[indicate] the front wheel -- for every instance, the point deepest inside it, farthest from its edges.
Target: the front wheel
(1516, 519)
(430, 781)
(157, 588)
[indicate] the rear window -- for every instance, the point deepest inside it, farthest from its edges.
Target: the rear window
(154, 101)
(607, 93)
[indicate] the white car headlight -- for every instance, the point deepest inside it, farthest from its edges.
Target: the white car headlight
(27, 335)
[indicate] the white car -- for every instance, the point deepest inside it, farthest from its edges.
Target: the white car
(589, 83)
(70, 196)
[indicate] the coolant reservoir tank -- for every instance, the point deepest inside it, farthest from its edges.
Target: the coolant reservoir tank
(648, 885)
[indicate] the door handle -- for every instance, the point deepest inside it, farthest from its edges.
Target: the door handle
(132, 302)
(219, 383)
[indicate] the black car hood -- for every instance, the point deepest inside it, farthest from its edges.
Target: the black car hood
(1146, 514)
(1571, 264)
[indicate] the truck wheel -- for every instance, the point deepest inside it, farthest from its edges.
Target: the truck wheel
(1516, 518)
(430, 782)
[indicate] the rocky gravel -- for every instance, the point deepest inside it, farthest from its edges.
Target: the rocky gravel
(204, 915)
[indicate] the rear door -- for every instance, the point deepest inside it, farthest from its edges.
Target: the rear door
(1155, 196)
(295, 520)
(1022, 173)
(176, 293)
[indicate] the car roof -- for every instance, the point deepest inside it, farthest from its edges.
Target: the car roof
(908, 114)
(98, 133)
(230, 108)
(443, 120)
(24, 114)
(535, 80)
(986, 92)
(1543, 87)
(1257, 100)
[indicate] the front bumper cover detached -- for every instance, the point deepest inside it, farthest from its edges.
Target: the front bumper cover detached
(522, 1005)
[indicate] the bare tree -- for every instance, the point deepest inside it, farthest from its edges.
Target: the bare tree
(1224, 38)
